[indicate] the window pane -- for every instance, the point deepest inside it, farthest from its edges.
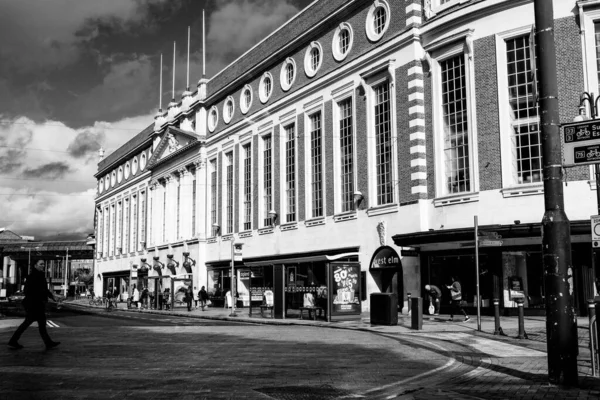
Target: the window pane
(383, 139)
(346, 155)
(247, 187)
(316, 165)
(290, 173)
(267, 181)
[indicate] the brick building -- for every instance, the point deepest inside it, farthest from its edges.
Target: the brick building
(359, 133)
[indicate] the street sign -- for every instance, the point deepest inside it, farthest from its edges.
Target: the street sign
(595, 220)
(581, 142)
(490, 242)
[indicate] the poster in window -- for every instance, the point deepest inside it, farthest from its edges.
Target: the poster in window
(515, 287)
(345, 288)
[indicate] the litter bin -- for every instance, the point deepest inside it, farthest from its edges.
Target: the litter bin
(384, 309)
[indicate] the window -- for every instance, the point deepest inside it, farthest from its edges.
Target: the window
(229, 185)
(383, 145)
(120, 175)
(346, 155)
(126, 227)
(143, 161)
(194, 206)
(119, 227)
(455, 140)
(246, 99)
(164, 214)
(288, 74)
(178, 208)
(106, 244)
(267, 180)
(343, 38)
(247, 187)
(113, 224)
(113, 178)
(213, 118)
(265, 87)
(134, 166)
(107, 182)
(127, 170)
(213, 196)
(378, 20)
(99, 232)
(228, 109)
(134, 223)
(150, 219)
(100, 185)
(313, 59)
(316, 158)
(290, 173)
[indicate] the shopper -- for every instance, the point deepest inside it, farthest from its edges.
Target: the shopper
(203, 297)
(36, 297)
(144, 297)
(195, 293)
(136, 297)
(189, 296)
(435, 296)
(456, 296)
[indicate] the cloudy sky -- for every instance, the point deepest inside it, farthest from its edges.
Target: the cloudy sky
(79, 74)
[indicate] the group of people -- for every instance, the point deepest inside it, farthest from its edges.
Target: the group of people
(196, 297)
(435, 296)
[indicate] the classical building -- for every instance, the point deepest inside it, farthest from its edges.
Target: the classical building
(349, 152)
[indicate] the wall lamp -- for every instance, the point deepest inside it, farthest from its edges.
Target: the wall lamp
(216, 229)
(273, 216)
(358, 198)
(172, 264)
(189, 262)
(517, 221)
(144, 265)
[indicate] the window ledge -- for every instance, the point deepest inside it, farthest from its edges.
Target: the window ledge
(289, 226)
(523, 190)
(266, 231)
(386, 209)
(314, 222)
(456, 199)
(229, 236)
(347, 216)
(245, 234)
(211, 240)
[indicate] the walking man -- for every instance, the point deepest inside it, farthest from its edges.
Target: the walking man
(36, 297)
(456, 294)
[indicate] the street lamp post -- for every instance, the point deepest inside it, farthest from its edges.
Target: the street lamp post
(233, 282)
(29, 257)
(66, 273)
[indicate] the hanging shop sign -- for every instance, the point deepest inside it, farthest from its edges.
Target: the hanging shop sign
(345, 288)
(581, 143)
(385, 257)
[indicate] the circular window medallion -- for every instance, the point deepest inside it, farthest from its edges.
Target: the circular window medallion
(378, 20)
(113, 178)
(213, 118)
(134, 166)
(287, 75)
(127, 170)
(313, 58)
(343, 39)
(100, 185)
(143, 161)
(265, 87)
(228, 109)
(246, 99)
(120, 175)
(107, 182)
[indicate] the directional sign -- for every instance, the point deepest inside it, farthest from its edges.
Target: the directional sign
(490, 242)
(595, 219)
(581, 142)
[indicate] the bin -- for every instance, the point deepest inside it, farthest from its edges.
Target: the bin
(384, 309)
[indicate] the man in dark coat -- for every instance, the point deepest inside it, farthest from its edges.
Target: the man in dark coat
(36, 297)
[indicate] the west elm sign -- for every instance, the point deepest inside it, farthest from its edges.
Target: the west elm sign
(385, 257)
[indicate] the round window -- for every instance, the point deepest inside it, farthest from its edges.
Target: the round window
(100, 185)
(120, 175)
(378, 20)
(107, 182)
(113, 178)
(246, 99)
(134, 166)
(287, 74)
(127, 170)
(343, 38)
(265, 87)
(228, 109)
(213, 118)
(313, 59)
(143, 161)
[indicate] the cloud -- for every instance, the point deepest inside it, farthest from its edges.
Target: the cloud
(52, 170)
(86, 143)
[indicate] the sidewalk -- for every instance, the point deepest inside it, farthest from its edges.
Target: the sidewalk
(499, 367)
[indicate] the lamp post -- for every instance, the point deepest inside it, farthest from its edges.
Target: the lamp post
(66, 273)
(29, 257)
(234, 246)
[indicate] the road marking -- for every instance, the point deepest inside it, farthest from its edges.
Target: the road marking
(490, 347)
(52, 324)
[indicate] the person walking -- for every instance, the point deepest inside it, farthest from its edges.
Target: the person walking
(203, 297)
(195, 293)
(456, 295)
(136, 297)
(144, 297)
(435, 295)
(189, 296)
(36, 297)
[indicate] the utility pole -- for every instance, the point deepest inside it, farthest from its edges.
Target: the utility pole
(561, 326)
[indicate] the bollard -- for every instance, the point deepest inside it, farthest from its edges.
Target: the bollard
(498, 329)
(416, 319)
(522, 334)
(408, 303)
(593, 335)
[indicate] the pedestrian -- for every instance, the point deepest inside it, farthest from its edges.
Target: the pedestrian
(144, 297)
(189, 296)
(456, 296)
(203, 296)
(36, 297)
(167, 299)
(435, 295)
(136, 297)
(195, 293)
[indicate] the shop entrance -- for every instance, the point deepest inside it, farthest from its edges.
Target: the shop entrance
(386, 270)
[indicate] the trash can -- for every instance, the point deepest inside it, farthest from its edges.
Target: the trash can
(384, 309)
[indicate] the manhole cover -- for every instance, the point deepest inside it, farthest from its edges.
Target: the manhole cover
(324, 392)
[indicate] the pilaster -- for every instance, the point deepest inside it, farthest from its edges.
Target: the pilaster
(201, 191)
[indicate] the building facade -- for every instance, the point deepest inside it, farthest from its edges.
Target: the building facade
(350, 151)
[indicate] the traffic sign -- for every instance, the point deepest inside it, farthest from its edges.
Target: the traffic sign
(595, 220)
(581, 142)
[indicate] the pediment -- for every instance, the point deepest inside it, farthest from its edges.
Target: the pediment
(171, 141)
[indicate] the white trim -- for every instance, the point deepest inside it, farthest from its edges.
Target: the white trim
(335, 43)
(226, 115)
(243, 106)
(415, 83)
(262, 95)
(283, 78)
(418, 189)
(417, 136)
(213, 122)
(308, 69)
(416, 122)
(369, 23)
(413, 7)
(416, 96)
(414, 21)
(418, 162)
(417, 149)
(416, 70)
(418, 175)
(418, 109)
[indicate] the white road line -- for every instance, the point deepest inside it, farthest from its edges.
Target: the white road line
(52, 324)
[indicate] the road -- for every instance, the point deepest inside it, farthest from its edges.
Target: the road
(167, 357)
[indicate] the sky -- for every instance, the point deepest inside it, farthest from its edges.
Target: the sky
(77, 75)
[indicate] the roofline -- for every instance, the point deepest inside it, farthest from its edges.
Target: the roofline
(120, 159)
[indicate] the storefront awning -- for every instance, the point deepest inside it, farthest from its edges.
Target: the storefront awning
(304, 259)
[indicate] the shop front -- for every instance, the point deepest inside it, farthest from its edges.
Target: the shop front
(116, 284)
(386, 270)
(510, 267)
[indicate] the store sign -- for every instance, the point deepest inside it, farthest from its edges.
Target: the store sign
(345, 288)
(237, 252)
(385, 257)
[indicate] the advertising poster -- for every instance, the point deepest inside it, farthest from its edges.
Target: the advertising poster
(345, 288)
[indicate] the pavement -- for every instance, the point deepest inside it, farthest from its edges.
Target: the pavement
(486, 366)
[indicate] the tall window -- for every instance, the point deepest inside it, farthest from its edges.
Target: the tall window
(143, 218)
(213, 196)
(100, 227)
(316, 159)
(178, 207)
(344, 41)
(229, 183)
(267, 179)
(106, 245)
(379, 20)
(524, 113)
(113, 213)
(456, 129)
(247, 187)
(346, 156)
(134, 223)
(119, 227)
(164, 215)
(126, 227)
(290, 173)
(383, 145)
(194, 206)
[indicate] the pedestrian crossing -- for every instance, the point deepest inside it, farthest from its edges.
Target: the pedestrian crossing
(52, 324)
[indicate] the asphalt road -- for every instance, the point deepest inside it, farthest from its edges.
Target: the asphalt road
(162, 357)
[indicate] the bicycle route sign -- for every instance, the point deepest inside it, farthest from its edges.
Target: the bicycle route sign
(581, 143)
